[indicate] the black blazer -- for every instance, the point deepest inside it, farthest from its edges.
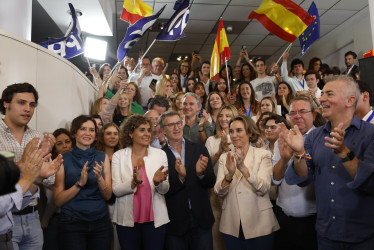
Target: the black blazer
(193, 189)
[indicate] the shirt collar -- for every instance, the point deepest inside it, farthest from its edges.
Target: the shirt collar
(5, 127)
(355, 123)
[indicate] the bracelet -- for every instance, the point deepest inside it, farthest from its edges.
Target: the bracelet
(137, 183)
(303, 155)
(229, 181)
(78, 186)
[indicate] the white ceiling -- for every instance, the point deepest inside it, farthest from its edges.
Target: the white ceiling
(202, 25)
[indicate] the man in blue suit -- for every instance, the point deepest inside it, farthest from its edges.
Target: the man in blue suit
(190, 176)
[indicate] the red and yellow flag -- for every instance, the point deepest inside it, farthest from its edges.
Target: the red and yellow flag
(283, 18)
(221, 52)
(369, 53)
(133, 10)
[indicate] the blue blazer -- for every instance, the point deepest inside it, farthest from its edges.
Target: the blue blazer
(193, 189)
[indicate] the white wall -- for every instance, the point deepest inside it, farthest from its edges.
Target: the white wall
(64, 91)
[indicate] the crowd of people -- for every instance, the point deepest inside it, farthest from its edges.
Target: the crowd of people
(263, 158)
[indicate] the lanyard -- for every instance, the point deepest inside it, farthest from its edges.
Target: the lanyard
(370, 117)
(301, 83)
(249, 111)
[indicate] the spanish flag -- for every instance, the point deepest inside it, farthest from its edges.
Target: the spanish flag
(283, 18)
(133, 10)
(221, 52)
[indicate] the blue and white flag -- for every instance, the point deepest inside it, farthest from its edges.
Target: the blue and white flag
(312, 33)
(173, 30)
(71, 44)
(135, 32)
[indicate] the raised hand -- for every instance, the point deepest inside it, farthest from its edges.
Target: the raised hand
(294, 139)
(336, 141)
(137, 174)
(181, 170)
(284, 150)
(201, 165)
(30, 168)
(84, 175)
(224, 144)
(285, 56)
(230, 164)
(165, 69)
(98, 170)
(30, 148)
(47, 143)
(50, 168)
(160, 175)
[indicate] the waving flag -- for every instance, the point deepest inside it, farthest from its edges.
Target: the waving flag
(135, 32)
(71, 44)
(134, 10)
(311, 34)
(283, 18)
(173, 30)
(221, 52)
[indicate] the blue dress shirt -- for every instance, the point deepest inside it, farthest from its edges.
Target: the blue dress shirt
(345, 205)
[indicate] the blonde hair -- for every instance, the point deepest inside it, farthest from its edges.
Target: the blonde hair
(234, 113)
(160, 86)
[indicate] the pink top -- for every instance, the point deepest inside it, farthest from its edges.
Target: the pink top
(142, 203)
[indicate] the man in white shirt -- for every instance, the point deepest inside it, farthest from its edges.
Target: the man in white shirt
(263, 84)
(158, 67)
(296, 207)
(297, 82)
(144, 79)
(364, 108)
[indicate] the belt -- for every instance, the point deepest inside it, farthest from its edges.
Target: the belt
(26, 210)
(6, 237)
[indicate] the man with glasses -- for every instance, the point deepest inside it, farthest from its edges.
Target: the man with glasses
(190, 176)
(296, 208)
(339, 158)
(144, 79)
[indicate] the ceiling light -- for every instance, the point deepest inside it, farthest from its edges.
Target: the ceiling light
(95, 49)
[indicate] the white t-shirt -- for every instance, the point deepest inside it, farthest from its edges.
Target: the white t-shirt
(145, 90)
(263, 87)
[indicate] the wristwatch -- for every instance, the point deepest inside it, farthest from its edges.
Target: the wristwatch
(350, 156)
(79, 186)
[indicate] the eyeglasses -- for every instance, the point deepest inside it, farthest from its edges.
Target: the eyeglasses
(301, 112)
(271, 127)
(171, 125)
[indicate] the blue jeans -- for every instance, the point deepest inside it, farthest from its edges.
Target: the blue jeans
(74, 234)
(196, 238)
(27, 232)
(141, 236)
(261, 243)
(326, 244)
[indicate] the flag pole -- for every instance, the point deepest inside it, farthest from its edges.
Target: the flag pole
(93, 77)
(287, 49)
(227, 73)
(141, 59)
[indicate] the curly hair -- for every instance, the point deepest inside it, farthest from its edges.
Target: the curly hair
(100, 144)
(9, 92)
(249, 125)
(128, 127)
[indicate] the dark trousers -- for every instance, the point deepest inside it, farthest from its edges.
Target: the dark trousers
(74, 234)
(326, 244)
(141, 236)
(6, 241)
(50, 234)
(196, 238)
(295, 233)
(259, 243)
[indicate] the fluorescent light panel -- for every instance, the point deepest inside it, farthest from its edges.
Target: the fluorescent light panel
(95, 49)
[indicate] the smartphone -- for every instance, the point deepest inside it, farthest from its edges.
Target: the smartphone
(152, 85)
(195, 52)
(244, 47)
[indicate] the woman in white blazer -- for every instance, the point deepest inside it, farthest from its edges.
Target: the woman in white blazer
(140, 180)
(244, 179)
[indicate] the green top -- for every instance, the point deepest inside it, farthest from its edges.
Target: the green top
(136, 108)
(109, 94)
